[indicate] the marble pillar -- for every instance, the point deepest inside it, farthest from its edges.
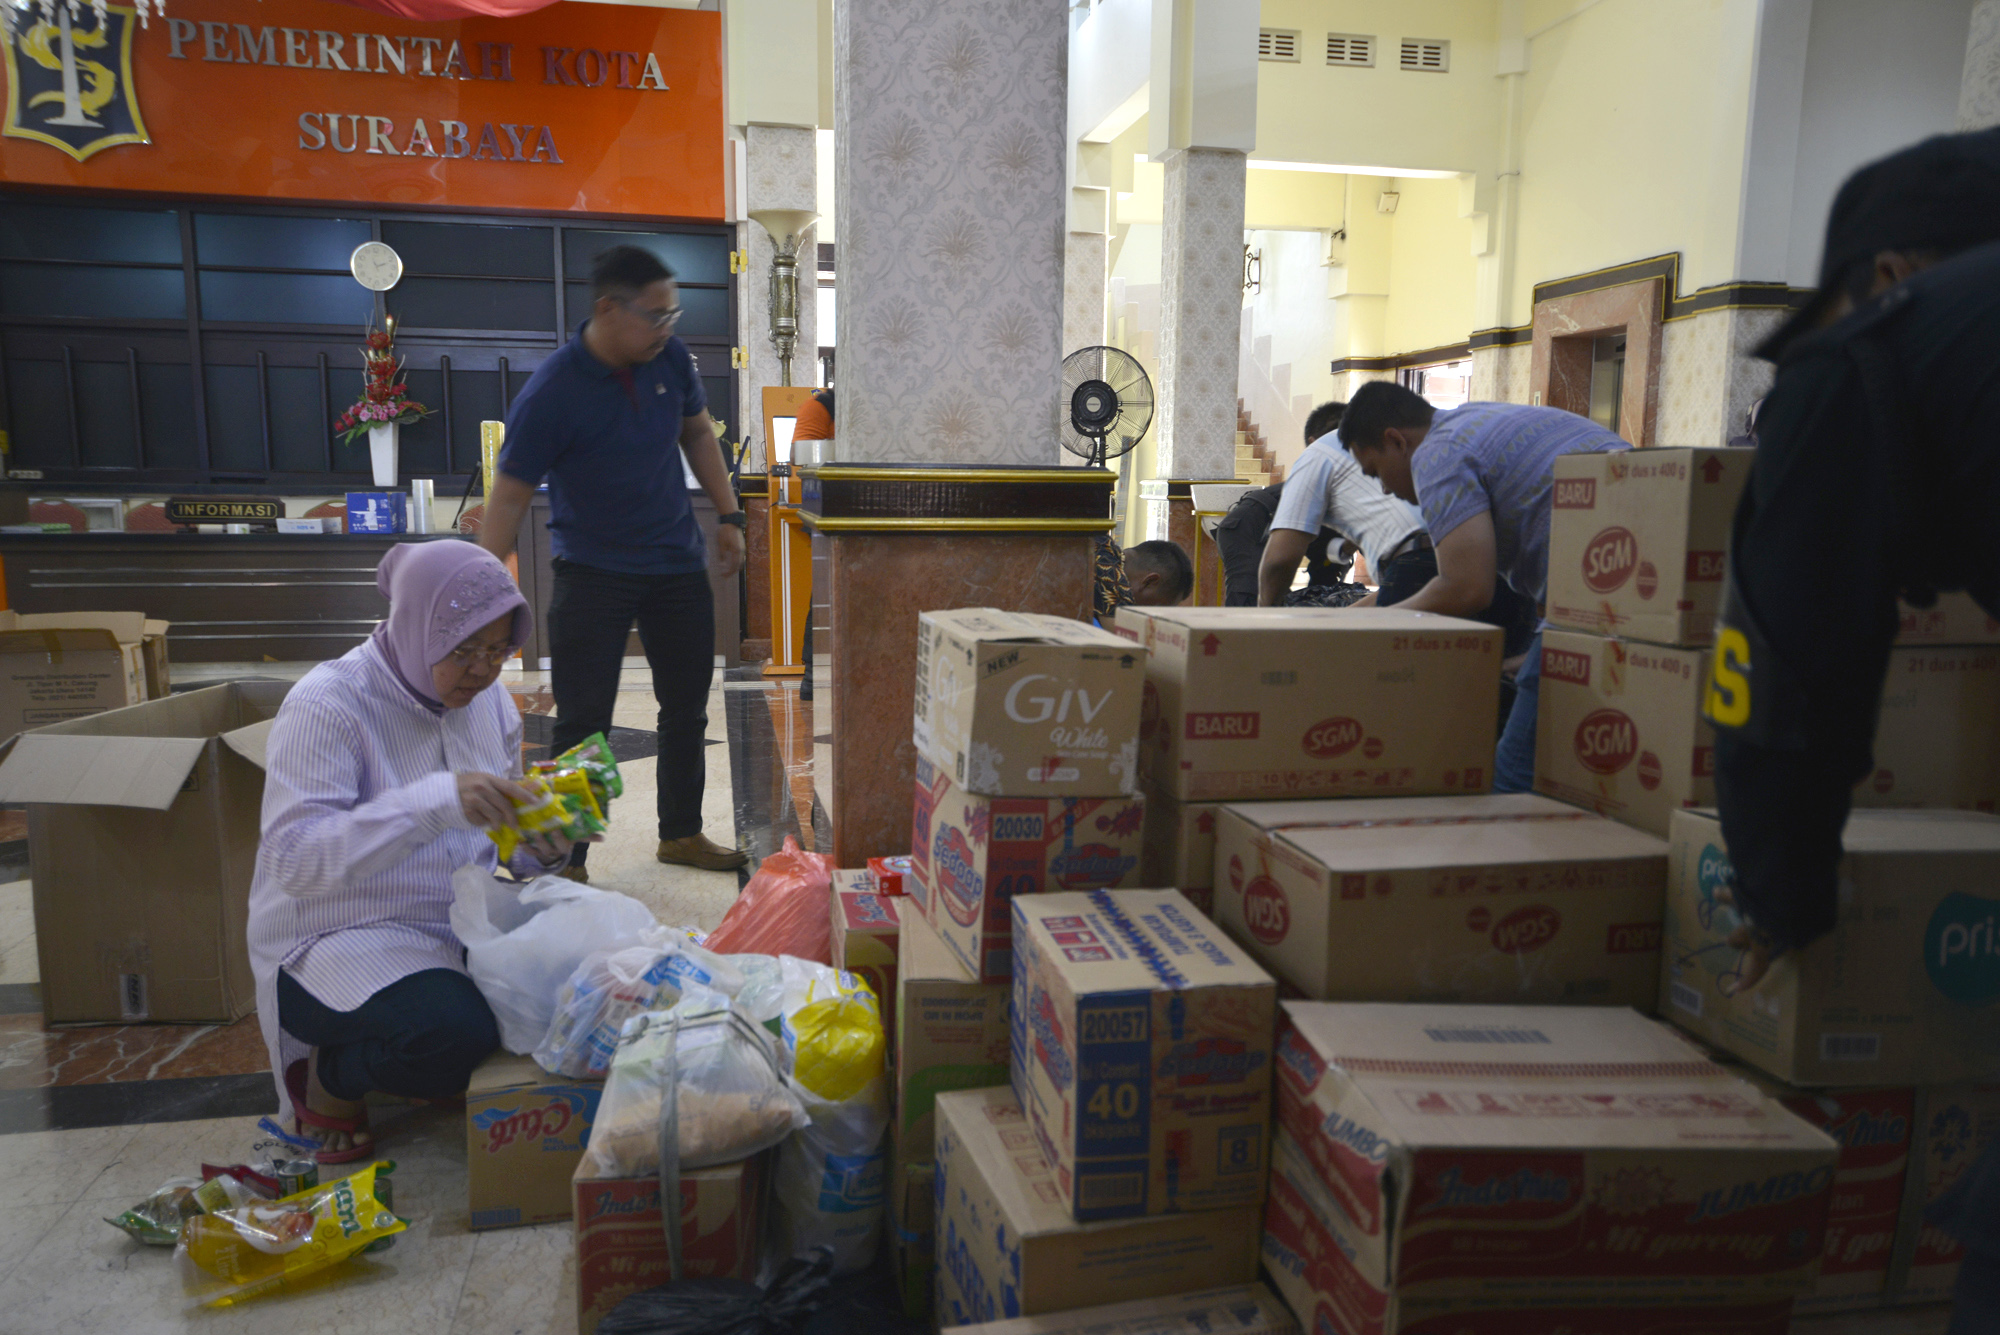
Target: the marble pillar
(1979, 89)
(950, 195)
(782, 167)
(1201, 313)
(949, 188)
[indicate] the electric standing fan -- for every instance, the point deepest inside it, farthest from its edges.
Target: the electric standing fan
(1110, 403)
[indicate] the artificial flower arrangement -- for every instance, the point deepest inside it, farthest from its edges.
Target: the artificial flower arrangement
(385, 397)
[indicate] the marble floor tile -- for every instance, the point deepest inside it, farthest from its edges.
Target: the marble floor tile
(32, 1057)
(522, 1281)
(18, 962)
(57, 1167)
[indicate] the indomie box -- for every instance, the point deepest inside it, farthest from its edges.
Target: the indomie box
(621, 1247)
(1011, 704)
(952, 1034)
(1902, 990)
(1141, 1046)
(1499, 897)
(1007, 1247)
(524, 1136)
(1637, 541)
(1542, 1153)
(971, 855)
(143, 830)
(1272, 702)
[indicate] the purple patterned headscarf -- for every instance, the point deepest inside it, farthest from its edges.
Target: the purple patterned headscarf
(440, 594)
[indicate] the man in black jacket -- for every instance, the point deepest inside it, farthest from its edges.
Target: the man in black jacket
(1877, 473)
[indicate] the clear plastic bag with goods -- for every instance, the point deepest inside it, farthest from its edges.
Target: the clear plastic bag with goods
(261, 1246)
(610, 987)
(831, 1177)
(783, 910)
(522, 943)
(730, 1099)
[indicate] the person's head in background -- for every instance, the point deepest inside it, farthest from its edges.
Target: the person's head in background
(1382, 427)
(635, 305)
(1324, 420)
(1158, 573)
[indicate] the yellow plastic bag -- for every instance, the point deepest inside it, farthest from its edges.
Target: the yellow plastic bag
(260, 1246)
(837, 1044)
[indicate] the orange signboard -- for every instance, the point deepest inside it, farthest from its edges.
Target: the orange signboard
(599, 108)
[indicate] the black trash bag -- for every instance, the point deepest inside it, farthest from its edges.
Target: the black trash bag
(727, 1306)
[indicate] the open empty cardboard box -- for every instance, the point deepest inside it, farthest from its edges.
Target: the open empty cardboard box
(142, 835)
(64, 665)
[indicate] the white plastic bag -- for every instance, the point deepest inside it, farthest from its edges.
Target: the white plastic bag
(762, 996)
(730, 1100)
(522, 945)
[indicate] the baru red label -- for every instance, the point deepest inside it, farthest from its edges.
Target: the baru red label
(1566, 665)
(1576, 493)
(1609, 560)
(1331, 737)
(1237, 727)
(1606, 741)
(1265, 910)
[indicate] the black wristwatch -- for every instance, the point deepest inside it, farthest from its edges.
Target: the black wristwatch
(736, 517)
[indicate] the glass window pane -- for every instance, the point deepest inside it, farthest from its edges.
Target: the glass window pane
(300, 424)
(275, 241)
(166, 410)
(721, 400)
(475, 398)
(343, 390)
(284, 298)
(704, 311)
(421, 445)
(695, 257)
(38, 413)
(90, 293)
(235, 421)
(105, 418)
(62, 232)
(473, 250)
(469, 303)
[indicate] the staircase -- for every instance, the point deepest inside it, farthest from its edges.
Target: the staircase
(1256, 462)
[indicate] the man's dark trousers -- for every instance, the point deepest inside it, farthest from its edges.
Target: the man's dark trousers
(590, 613)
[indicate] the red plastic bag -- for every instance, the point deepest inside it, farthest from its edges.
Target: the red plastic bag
(784, 910)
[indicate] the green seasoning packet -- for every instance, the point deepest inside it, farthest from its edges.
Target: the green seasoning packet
(593, 756)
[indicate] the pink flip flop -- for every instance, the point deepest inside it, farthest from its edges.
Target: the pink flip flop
(303, 1117)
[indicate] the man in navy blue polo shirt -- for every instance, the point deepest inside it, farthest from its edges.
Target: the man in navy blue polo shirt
(607, 420)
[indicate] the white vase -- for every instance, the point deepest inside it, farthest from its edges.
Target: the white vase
(382, 453)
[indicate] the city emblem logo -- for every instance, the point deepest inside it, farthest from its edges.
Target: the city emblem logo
(69, 81)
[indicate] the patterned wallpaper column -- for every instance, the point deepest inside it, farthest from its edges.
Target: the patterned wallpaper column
(1979, 89)
(1084, 260)
(950, 197)
(1201, 311)
(783, 168)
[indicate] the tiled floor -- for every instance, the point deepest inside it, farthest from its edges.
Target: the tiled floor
(92, 1119)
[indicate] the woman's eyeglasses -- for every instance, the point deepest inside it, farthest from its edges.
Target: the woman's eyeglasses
(466, 655)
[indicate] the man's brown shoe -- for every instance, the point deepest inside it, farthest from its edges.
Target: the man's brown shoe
(580, 875)
(697, 850)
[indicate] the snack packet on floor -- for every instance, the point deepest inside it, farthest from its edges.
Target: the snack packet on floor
(260, 1246)
(156, 1220)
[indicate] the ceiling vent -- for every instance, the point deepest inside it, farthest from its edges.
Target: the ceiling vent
(1427, 54)
(1350, 48)
(1278, 44)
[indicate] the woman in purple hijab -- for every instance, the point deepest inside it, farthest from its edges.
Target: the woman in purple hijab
(385, 769)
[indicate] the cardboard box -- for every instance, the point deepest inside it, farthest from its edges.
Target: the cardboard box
(1246, 703)
(913, 1237)
(378, 512)
(1306, 1257)
(1901, 992)
(1953, 1127)
(69, 665)
(865, 927)
(1011, 704)
(1954, 619)
(952, 1034)
(1620, 729)
(1540, 1153)
(1179, 852)
(621, 1248)
(1499, 897)
(142, 829)
(1248, 1309)
(973, 854)
(1874, 1129)
(1637, 541)
(1008, 1248)
(1141, 1050)
(524, 1136)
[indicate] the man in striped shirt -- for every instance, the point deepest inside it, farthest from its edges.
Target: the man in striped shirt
(1482, 477)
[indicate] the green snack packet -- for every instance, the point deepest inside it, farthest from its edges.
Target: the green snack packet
(593, 756)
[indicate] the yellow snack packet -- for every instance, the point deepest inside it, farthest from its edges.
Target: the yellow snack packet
(261, 1246)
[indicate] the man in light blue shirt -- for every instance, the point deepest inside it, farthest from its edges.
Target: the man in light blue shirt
(1326, 488)
(1482, 475)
